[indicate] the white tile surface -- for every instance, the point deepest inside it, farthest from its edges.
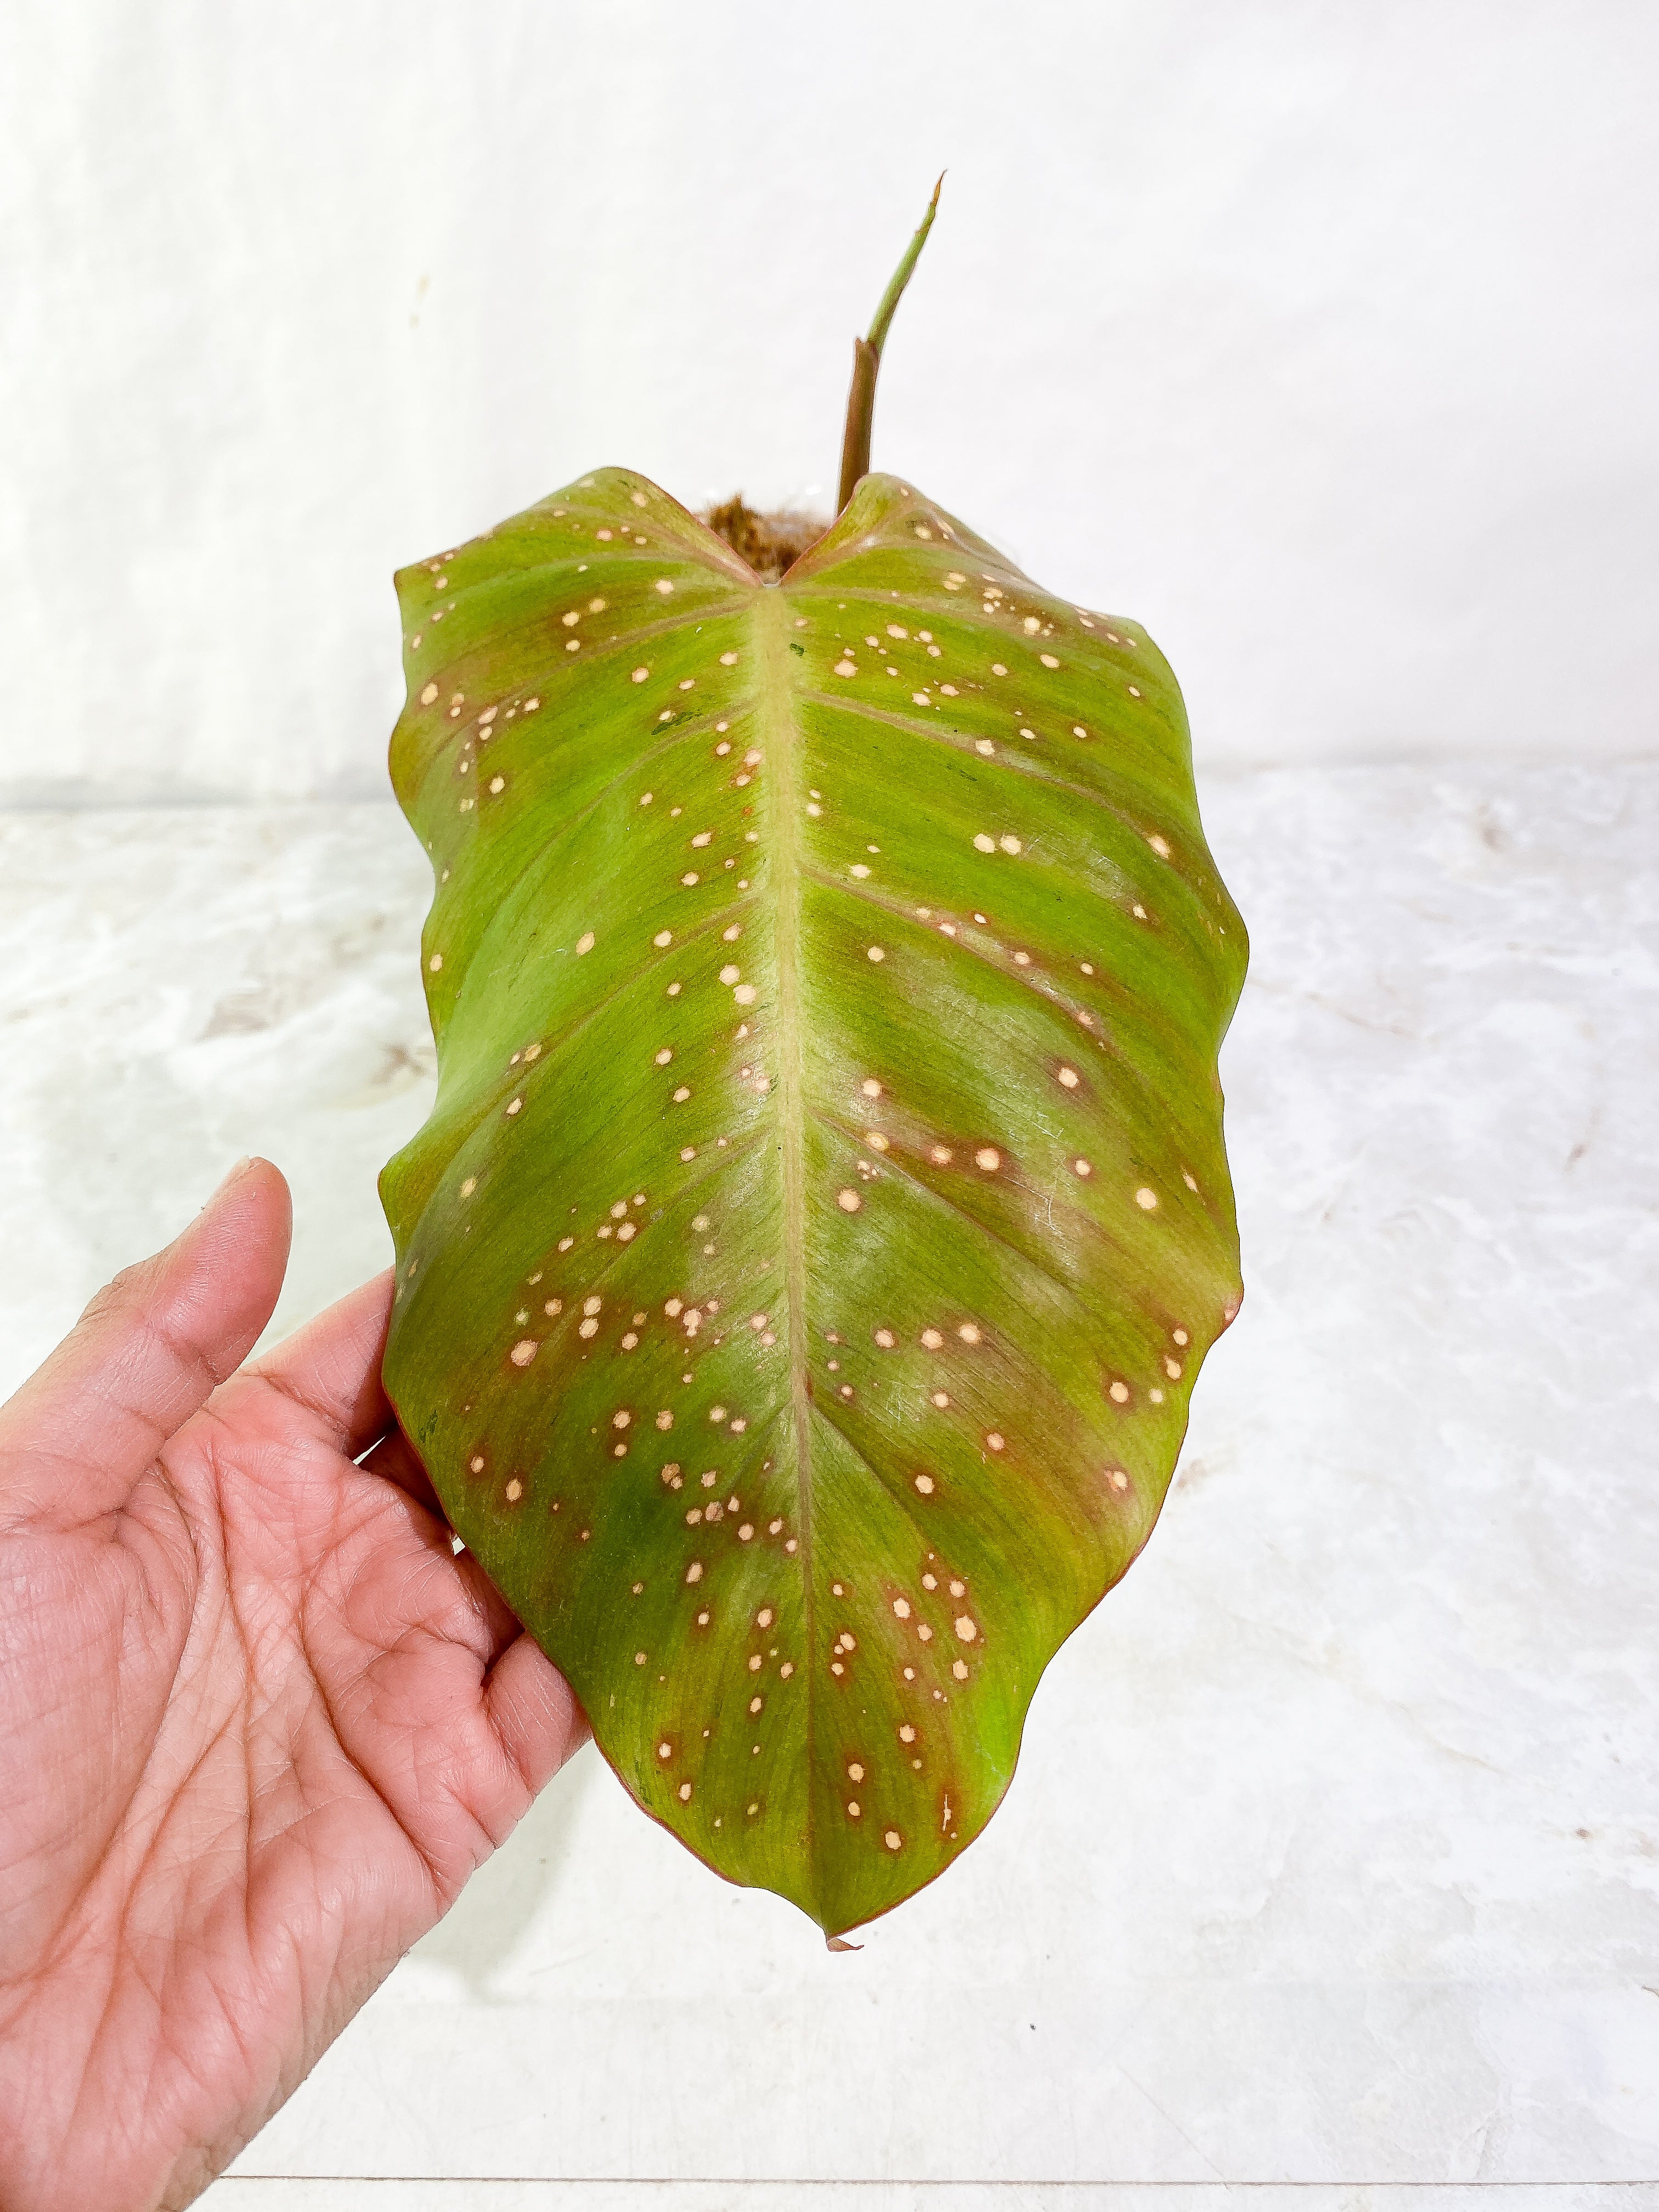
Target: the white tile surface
(1333, 1856)
(240, 2194)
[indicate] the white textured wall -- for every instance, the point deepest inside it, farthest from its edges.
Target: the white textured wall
(1323, 338)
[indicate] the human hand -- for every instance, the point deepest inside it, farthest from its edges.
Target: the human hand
(258, 1722)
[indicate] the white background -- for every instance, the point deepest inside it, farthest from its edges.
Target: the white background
(1324, 339)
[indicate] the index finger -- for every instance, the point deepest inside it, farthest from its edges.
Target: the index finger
(331, 1368)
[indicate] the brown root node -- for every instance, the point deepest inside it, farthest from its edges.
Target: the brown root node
(770, 543)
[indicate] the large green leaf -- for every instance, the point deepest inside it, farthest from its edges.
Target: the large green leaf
(803, 1270)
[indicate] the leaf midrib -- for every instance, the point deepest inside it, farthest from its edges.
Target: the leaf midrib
(780, 746)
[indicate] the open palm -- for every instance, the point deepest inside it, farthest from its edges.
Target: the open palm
(258, 1722)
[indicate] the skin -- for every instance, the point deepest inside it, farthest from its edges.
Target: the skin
(258, 1722)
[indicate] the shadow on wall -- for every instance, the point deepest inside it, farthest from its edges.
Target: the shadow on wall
(491, 1925)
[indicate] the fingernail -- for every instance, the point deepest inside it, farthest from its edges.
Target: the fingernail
(235, 1175)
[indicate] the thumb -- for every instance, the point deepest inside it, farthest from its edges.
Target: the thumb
(144, 1356)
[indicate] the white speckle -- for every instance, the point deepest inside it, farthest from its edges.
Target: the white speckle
(874, 952)
(640, 674)
(745, 995)
(1048, 660)
(1160, 846)
(987, 1158)
(435, 962)
(1069, 1076)
(966, 1627)
(523, 1351)
(994, 1440)
(924, 1485)
(1082, 1168)
(664, 585)
(428, 695)
(849, 1201)
(1119, 1393)
(1009, 844)
(1145, 1199)
(584, 942)
(984, 844)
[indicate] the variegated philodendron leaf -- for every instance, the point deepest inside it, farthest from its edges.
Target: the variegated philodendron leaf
(802, 1276)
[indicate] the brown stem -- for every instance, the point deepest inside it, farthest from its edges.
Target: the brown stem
(860, 412)
(866, 360)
